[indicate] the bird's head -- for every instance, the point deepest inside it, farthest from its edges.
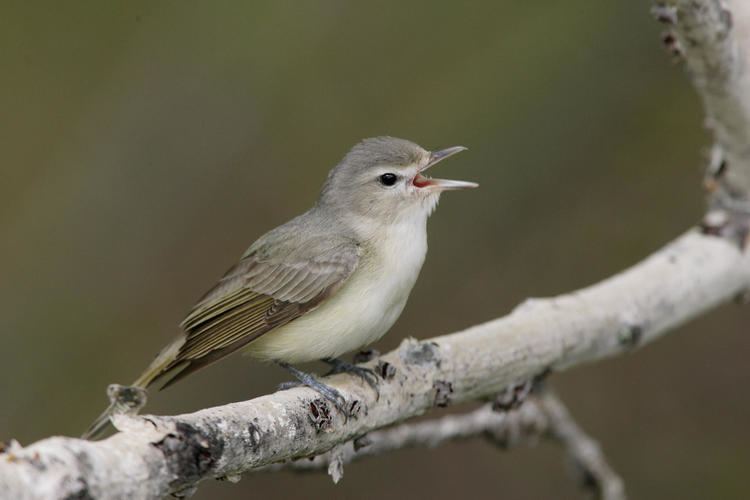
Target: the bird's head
(384, 179)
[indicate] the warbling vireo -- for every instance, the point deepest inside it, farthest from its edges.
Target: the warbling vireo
(329, 281)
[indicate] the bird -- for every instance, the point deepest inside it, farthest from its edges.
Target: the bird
(330, 281)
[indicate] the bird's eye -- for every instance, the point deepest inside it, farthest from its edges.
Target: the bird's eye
(388, 179)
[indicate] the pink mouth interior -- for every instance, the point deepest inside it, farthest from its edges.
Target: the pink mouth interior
(420, 181)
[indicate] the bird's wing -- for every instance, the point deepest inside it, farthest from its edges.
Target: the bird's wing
(271, 286)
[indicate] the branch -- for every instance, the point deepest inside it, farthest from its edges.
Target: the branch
(586, 453)
(505, 429)
(155, 456)
(542, 416)
(715, 43)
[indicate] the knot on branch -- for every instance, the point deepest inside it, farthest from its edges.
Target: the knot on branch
(414, 352)
(190, 453)
(443, 392)
(513, 396)
(732, 224)
(630, 334)
(320, 414)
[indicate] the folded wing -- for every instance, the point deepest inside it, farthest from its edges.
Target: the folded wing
(271, 286)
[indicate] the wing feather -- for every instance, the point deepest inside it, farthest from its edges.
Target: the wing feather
(271, 286)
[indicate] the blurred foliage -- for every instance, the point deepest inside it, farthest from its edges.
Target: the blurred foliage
(146, 144)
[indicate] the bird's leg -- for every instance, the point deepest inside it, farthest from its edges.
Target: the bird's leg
(366, 374)
(310, 381)
(291, 384)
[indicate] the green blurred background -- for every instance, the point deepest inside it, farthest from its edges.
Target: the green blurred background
(145, 144)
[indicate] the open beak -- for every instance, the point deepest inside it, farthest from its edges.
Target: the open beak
(422, 181)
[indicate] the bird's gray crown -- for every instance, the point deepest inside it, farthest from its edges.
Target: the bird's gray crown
(384, 150)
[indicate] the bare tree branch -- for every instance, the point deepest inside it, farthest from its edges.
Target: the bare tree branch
(154, 456)
(713, 36)
(506, 429)
(586, 453)
(541, 416)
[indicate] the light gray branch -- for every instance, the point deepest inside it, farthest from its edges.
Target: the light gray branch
(506, 429)
(154, 456)
(541, 416)
(585, 452)
(714, 38)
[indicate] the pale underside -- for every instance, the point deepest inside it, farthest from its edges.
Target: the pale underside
(361, 311)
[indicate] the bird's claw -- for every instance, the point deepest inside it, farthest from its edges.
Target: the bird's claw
(366, 374)
(328, 392)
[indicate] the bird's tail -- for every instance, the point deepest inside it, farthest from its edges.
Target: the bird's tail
(130, 399)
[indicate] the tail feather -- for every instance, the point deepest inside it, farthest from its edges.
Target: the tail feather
(97, 428)
(123, 399)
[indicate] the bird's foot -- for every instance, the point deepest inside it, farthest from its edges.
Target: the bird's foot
(366, 374)
(285, 386)
(328, 392)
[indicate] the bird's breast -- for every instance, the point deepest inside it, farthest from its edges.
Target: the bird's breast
(362, 310)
